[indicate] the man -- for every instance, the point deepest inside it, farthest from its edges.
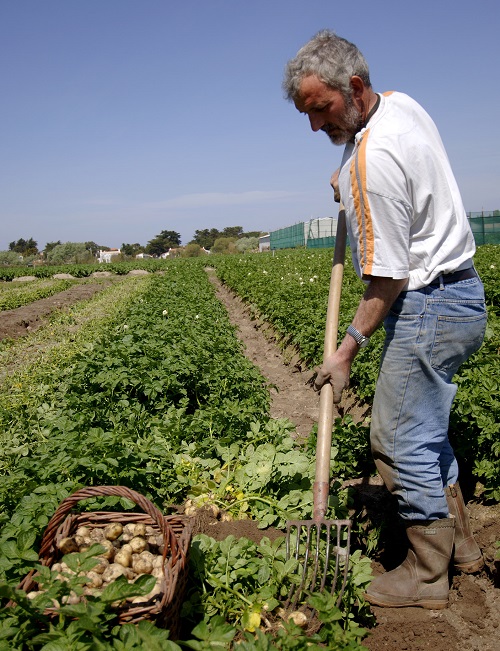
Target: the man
(412, 245)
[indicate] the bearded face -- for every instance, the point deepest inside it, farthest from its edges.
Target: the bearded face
(346, 126)
(328, 110)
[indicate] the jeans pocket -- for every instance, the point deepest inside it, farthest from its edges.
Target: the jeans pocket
(457, 338)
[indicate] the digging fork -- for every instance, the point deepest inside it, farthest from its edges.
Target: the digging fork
(321, 546)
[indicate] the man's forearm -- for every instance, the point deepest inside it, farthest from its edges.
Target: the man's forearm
(372, 310)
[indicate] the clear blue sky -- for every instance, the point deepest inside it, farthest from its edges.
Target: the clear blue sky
(122, 118)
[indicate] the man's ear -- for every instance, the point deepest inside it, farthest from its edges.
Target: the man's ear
(358, 87)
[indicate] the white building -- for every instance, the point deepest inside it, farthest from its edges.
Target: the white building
(107, 256)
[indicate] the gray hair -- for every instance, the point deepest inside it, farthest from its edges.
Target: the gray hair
(332, 59)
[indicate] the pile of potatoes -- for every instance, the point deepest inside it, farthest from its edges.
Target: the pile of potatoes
(130, 550)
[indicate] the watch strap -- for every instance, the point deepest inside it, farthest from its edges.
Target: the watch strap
(359, 338)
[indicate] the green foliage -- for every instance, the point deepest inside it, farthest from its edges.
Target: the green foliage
(244, 584)
(51, 621)
(131, 249)
(246, 244)
(163, 242)
(192, 250)
(14, 296)
(224, 245)
(290, 290)
(350, 452)
(24, 247)
(160, 398)
(10, 258)
(69, 253)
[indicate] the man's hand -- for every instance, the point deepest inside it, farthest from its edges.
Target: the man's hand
(335, 371)
(373, 307)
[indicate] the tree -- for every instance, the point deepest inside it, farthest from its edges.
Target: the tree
(206, 237)
(192, 250)
(256, 234)
(9, 257)
(94, 248)
(245, 244)
(24, 247)
(131, 249)
(50, 245)
(163, 242)
(224, 245)
(70, 253)
(232, 231)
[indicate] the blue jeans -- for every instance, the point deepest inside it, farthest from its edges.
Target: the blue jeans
(429, 333)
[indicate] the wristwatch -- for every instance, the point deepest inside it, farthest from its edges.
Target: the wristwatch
(360, 339)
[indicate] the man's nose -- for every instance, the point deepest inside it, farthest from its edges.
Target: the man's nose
(316, 122)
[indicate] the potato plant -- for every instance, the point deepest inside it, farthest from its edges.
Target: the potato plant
(289, 289)
(161, 399)
(14, 296)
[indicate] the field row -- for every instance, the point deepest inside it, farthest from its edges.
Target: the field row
(290, 290)
(158, 396)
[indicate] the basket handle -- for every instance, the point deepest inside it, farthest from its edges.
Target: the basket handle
(46, 549)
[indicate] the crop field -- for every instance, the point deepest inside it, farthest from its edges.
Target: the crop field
(146, 384)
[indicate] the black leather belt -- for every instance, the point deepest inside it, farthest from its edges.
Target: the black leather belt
(455, 276)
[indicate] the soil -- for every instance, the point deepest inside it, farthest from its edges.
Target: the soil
(24, 320)
(472, 620)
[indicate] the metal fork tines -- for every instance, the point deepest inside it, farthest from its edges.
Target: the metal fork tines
(321, 548)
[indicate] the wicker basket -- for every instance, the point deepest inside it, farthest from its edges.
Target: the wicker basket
(164, 609)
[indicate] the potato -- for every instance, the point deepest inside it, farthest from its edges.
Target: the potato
(94, 579)
(68, 545)
(97, 534)
(150, 531)
(34, 593)
(84, 532)
(113, 531)
(213, 508)
(140, 530)
(298, 618)
(114, 571)
(151, 540)
(158, 561)
(109, 550)
(79, 540)
(138, 544)
(148, 555)
(123, 557)
(141, 565)
(129, 529)
(72, 599)
(101, 566)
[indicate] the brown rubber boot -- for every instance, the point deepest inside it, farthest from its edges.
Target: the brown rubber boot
(422, 578)
(467, 556)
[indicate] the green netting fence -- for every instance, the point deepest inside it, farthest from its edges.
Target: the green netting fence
(314, 234)
(320, 233)
(485, 226)
(290, 237)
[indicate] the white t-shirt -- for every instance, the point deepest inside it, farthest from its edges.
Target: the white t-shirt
(405, 216)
